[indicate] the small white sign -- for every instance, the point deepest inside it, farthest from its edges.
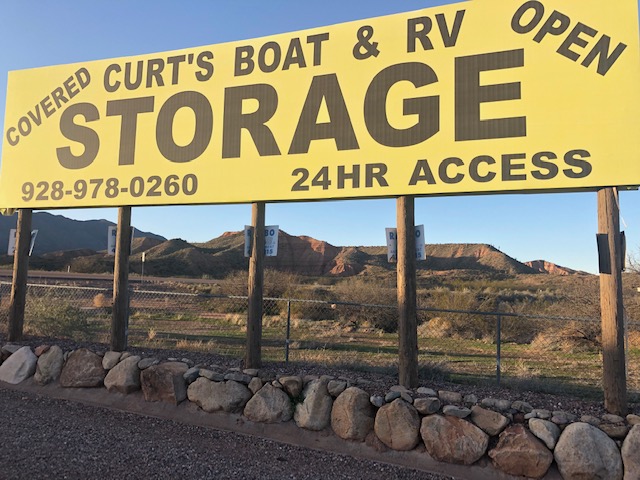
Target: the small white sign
(111, 240)
(144, 256)
(271, 234)
(11, 248)
(392, 244)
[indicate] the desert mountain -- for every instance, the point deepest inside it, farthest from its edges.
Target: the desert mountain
(57, 233)
(64, 243)
(542, 266)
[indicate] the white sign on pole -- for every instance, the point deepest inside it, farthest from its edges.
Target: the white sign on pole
(392, 244)
(144, 255)
(248, 240)
(11, 248)
(271, 233)
(111, 240)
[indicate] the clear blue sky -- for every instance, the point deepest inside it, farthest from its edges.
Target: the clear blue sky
(557, 227)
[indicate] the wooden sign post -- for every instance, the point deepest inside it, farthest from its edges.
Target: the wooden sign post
(407, 309)
(120, 314)
(253, 354)
(20, 273)
(614, 379)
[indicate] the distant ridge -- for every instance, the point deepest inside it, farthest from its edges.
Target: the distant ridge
(80, 245)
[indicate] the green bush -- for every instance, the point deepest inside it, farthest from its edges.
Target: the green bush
(51, 316)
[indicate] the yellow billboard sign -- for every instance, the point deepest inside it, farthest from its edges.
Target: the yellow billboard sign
(477, 97)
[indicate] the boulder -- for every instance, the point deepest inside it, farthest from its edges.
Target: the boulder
(269, 405)
(7, 350)
(83, 369)
(586, 452)
(336, 387)
(397, 425)
(453, 440)
(124, 377)
(314, 413)
(631, 454)
(352, 415)
(19, 366)
(49, 366)
(520, 453)
(490, 422)
(255, 385)
(455, 411)
(230, 396)
(111, 359)
(164, 382)
(450, 398)
(292, 385)
(427, 406)
(546, 431)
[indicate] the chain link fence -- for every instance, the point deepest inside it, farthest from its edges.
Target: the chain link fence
(532, 351)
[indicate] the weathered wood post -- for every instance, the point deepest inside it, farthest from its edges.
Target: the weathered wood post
(407, 308)
(614, 379)
(120, 313)
(253, 354)
(20, 273)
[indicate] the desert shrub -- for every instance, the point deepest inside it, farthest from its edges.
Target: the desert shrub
(360, 291)
(313, 310)
(569, 337)
(55, 317)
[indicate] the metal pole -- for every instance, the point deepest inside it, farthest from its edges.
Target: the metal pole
(286, 345)
(498, 346)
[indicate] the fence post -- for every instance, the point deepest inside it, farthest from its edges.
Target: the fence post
(18, 297)
(498, 347)
(286, 345)
(120, 313)
(253, 352)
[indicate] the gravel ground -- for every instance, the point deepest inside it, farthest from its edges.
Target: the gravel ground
(47, 438)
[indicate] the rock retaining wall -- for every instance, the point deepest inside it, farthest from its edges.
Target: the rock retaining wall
(518, 439)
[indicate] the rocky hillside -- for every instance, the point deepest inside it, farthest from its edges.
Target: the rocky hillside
(69, 244)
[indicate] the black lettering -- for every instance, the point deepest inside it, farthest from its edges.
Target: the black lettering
(450, 38)
(129, 109)
(175, 67)
(204, 62)
(418, 29)
(110, 86)
(275, 60)
(508, 167)
(576, 158)
(354, 176)
(83, 77)
(128, 82)
(24, 126)
(317, 40)
(443, 170)
(541, 160)
(244, 61)
(422, 173)
(294, 56)
(375, 171)
(37, 116)
(556, 24)
(474, 169)
(201, 107)
(324, 89)
(601, 51)
(71, 88)
(58, 97)
(470, 95)
(80, 134)
(538, 13)
(255, 123)
(47, 107)
(155, 66)
(426, 108)
(574, 39)
(15, 140)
